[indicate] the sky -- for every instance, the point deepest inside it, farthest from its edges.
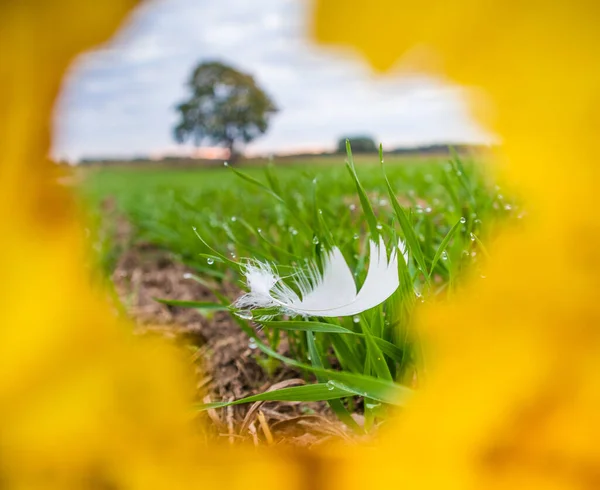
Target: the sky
(118, 101)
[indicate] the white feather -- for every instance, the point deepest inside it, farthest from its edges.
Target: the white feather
(330, 294)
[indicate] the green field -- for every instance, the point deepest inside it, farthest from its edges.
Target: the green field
(214, 219)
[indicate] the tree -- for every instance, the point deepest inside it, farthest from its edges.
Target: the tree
(360, 144)
(226, 107)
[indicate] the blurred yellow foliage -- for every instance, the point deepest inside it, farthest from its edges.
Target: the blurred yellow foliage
(83, 403)
(513, 397)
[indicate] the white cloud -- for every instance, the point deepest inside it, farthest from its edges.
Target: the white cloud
(119, 100)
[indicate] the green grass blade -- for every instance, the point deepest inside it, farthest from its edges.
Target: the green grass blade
(336, 405)
(311, 326)
(199, 305)
(444, 244)
(367, 386)
(269, 191)
(447, 184)
(362, 195)
(213, 258)
(392, 351)
(257, 183)
(378, 362)
(272, 178)
(481, 246)
(345, 352)
(216, 254)
(386, 347)
(412, 242)
(305, 393)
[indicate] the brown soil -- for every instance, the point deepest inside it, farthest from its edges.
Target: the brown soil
(227, 367)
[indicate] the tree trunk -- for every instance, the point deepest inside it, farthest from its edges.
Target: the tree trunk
(233, 154)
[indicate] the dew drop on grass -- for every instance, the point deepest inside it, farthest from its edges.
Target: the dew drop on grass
(507, 207)
(187, 275)
(210, 261)
(259, 230)
(379, 226)
(472, 237)
(315, 240)
(330, 386)
(252, 343)
(245, 314)
(356, 319)
(320, 211)
(419, 210)
(225, 164)
(428, 210)
(383, 202)
(463, 220)
(444, 255)
(234, 219)
(356, 237)
(352, 207)
(233, 256)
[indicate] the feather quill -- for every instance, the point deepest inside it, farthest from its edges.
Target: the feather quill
(331, 293)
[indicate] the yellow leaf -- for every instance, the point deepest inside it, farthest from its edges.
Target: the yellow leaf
(83, 403)
(513, 394)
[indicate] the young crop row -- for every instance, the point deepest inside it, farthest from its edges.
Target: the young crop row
(443, 212)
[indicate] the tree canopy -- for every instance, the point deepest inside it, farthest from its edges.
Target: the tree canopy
(360, 144)
(225, 107)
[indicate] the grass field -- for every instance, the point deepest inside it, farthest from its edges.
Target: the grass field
(214, 219)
